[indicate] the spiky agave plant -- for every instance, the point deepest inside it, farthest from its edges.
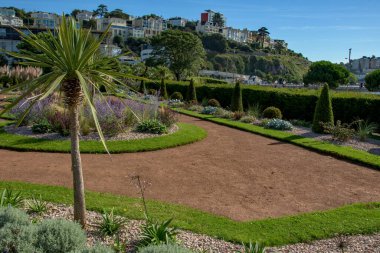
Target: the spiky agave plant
(77, 69)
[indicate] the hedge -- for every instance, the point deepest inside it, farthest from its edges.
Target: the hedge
(294, 103)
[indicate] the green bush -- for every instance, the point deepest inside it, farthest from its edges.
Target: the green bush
(213, 102)
(163, 91)
(278, 124)
(237, 99)
(13, 217)
(110, 224)
(177, 95)
(60, 236)
(164, 248)
(294, 103)
(151, 126)
(372, 80)
(272, 113)
(11, 198)
(340, 132)
(41, 127)
(96, 249)
(18, 238)
(191, 93)
(323, 111)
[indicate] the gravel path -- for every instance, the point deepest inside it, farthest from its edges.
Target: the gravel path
(231, 173)
(131, 231)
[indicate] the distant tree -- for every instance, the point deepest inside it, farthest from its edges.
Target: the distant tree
(372, 80)
(90, 24)
(215, 42)
(182, 52)
(218, 20)
(263, 34)
(101, 11)
(75, 12)
(118, 40)
(237, 99)
(117, 13)
(191, 25)
(327, 72)
(279, 47)
(135, 44)
(323, 111)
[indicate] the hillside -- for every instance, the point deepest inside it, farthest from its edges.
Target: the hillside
(267, 66)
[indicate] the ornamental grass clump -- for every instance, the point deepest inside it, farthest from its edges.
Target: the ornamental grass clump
(237, 99)
(323, 111)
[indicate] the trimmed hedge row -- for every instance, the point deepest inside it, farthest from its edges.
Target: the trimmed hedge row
(294, 103)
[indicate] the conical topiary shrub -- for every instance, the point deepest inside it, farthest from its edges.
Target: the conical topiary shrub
(323, 110)
(142, 87)
(237, 99)
(163, 92)
(191, 94)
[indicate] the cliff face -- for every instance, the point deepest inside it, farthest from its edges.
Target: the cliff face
(269, 67)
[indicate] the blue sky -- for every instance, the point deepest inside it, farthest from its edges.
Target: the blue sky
(320, 29)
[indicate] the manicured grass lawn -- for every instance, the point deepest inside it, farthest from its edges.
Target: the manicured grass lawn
(353, 219)
(186, 134)
(347, 153)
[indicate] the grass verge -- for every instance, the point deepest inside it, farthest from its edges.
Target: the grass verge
(352, 219)
(346, 153)
(186, 134)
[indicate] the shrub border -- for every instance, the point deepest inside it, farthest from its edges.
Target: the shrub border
(186, 134)
(341, 152)
(306, 227)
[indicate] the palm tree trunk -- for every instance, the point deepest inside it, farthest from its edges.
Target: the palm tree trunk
(76, 167)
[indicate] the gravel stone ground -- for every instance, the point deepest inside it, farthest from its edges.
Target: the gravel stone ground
(202, 243)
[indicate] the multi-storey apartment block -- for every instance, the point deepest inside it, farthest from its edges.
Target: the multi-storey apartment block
(177, 21)
(152, 26)
(45, 20)
(8, 17)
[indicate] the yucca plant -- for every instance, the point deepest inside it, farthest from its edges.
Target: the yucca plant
(156, 233)
(36, 205)
(365, 129)
(11, 198)
(110, 223)
(77, 70)
(253, 248)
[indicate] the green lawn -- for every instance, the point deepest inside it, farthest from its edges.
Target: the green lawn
(186, 134)
(353, 219)
(346, 153)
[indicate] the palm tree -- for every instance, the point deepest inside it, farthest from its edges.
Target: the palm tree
(77, 69)
(263, 33)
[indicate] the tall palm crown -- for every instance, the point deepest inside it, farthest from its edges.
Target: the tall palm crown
(77, 69)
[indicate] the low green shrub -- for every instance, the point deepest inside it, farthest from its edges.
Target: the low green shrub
(60, 236)
(209, 110)
(96, 249)
(16, 238)
(278, 124)
(248, 119)
(196, 108)
(153, 126)
(14, 217)
(213, 102)
(177, 95)
(164, 248)
(272, 113)
(110, 224)
(155, 233)
(41, 128)
(340, 132)
(301, 123)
